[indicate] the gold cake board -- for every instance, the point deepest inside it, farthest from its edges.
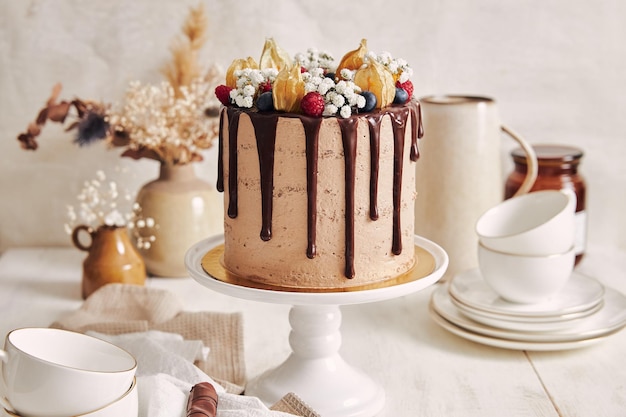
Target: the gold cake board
(212, 264)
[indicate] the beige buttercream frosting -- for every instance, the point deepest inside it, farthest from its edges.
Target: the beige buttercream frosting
(282, 260)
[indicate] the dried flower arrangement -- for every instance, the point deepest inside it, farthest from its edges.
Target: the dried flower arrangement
(102, 203)
(171, 122)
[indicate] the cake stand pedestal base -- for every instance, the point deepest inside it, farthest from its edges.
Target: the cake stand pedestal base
(316, 372)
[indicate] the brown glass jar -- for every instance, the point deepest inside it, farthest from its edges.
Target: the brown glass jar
(557, 169)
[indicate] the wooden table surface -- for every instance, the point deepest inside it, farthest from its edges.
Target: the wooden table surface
(424, 369)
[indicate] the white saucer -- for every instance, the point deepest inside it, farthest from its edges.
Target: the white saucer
(509, 344)
(580, 294)
(471, 311)
(555, 323)
(610, 318)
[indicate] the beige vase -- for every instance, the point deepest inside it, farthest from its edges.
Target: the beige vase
(112, 258)
(186, 210)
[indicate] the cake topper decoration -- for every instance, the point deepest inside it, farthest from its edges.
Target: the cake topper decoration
(363, 81)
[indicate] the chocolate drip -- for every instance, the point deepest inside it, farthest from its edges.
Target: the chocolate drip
(374, 122)
(220, 155)
(311, 132)
(398, 124)
(265, 132)
(233, 129)
(417, 129)
(348, 136)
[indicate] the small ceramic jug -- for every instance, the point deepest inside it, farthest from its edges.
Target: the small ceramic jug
(459, 173)
(112, 258)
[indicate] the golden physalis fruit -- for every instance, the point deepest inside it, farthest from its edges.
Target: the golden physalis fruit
(274, 56)
(288, 89)
(353, 60)
(376, 78)
(239, 64)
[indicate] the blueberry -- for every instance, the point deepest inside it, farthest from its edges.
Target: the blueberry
(330, 75)
(401, 96)
(265, 102)
(370, 101)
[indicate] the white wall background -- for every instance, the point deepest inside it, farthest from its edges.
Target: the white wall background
(556, 68)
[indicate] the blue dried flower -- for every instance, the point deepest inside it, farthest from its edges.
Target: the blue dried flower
(91, 127)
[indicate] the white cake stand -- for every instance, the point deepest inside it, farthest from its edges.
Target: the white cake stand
(315, 371)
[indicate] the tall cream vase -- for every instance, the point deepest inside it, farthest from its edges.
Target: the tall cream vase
(459, 175)
(186, 210)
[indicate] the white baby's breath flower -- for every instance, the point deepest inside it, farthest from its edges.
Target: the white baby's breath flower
(330, 110)
(347, 74)
(317, 72)
(341, 87)
(248, 84)
(338, 100)
(269, 74)
(102, 203)
(325, 85)
(360, 101)
(345, 111)
(249, 90)
(114, 218)
(397, 66)
(314, 59)
(308, 87)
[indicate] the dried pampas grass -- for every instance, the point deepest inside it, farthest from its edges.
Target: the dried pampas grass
(184, 66)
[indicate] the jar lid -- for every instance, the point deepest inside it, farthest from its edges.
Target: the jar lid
(550, 153)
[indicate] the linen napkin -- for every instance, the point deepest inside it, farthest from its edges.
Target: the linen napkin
(165, 378)
(171, 348)
(119, 308)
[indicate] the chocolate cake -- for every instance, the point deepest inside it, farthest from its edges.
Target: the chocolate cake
(315, 199)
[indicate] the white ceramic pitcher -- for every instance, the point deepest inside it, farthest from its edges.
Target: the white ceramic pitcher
(459, 174)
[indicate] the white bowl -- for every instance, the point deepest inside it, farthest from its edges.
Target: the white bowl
(57, 373)
(525, 279)
(538, 223)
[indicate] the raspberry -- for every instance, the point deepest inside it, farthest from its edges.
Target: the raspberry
(313, 104)
(222, 92)
(406, 86)
(265, 86)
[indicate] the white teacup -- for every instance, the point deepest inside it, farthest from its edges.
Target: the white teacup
(57, 373)
(525, 279)
(538, 223)
(126, 406)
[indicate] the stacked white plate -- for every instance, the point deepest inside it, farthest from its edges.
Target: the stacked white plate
(583, 313)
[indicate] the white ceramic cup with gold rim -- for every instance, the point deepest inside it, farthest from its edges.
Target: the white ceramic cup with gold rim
(525, 279)
(50, 372)
(125, 406)
(535, 224)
